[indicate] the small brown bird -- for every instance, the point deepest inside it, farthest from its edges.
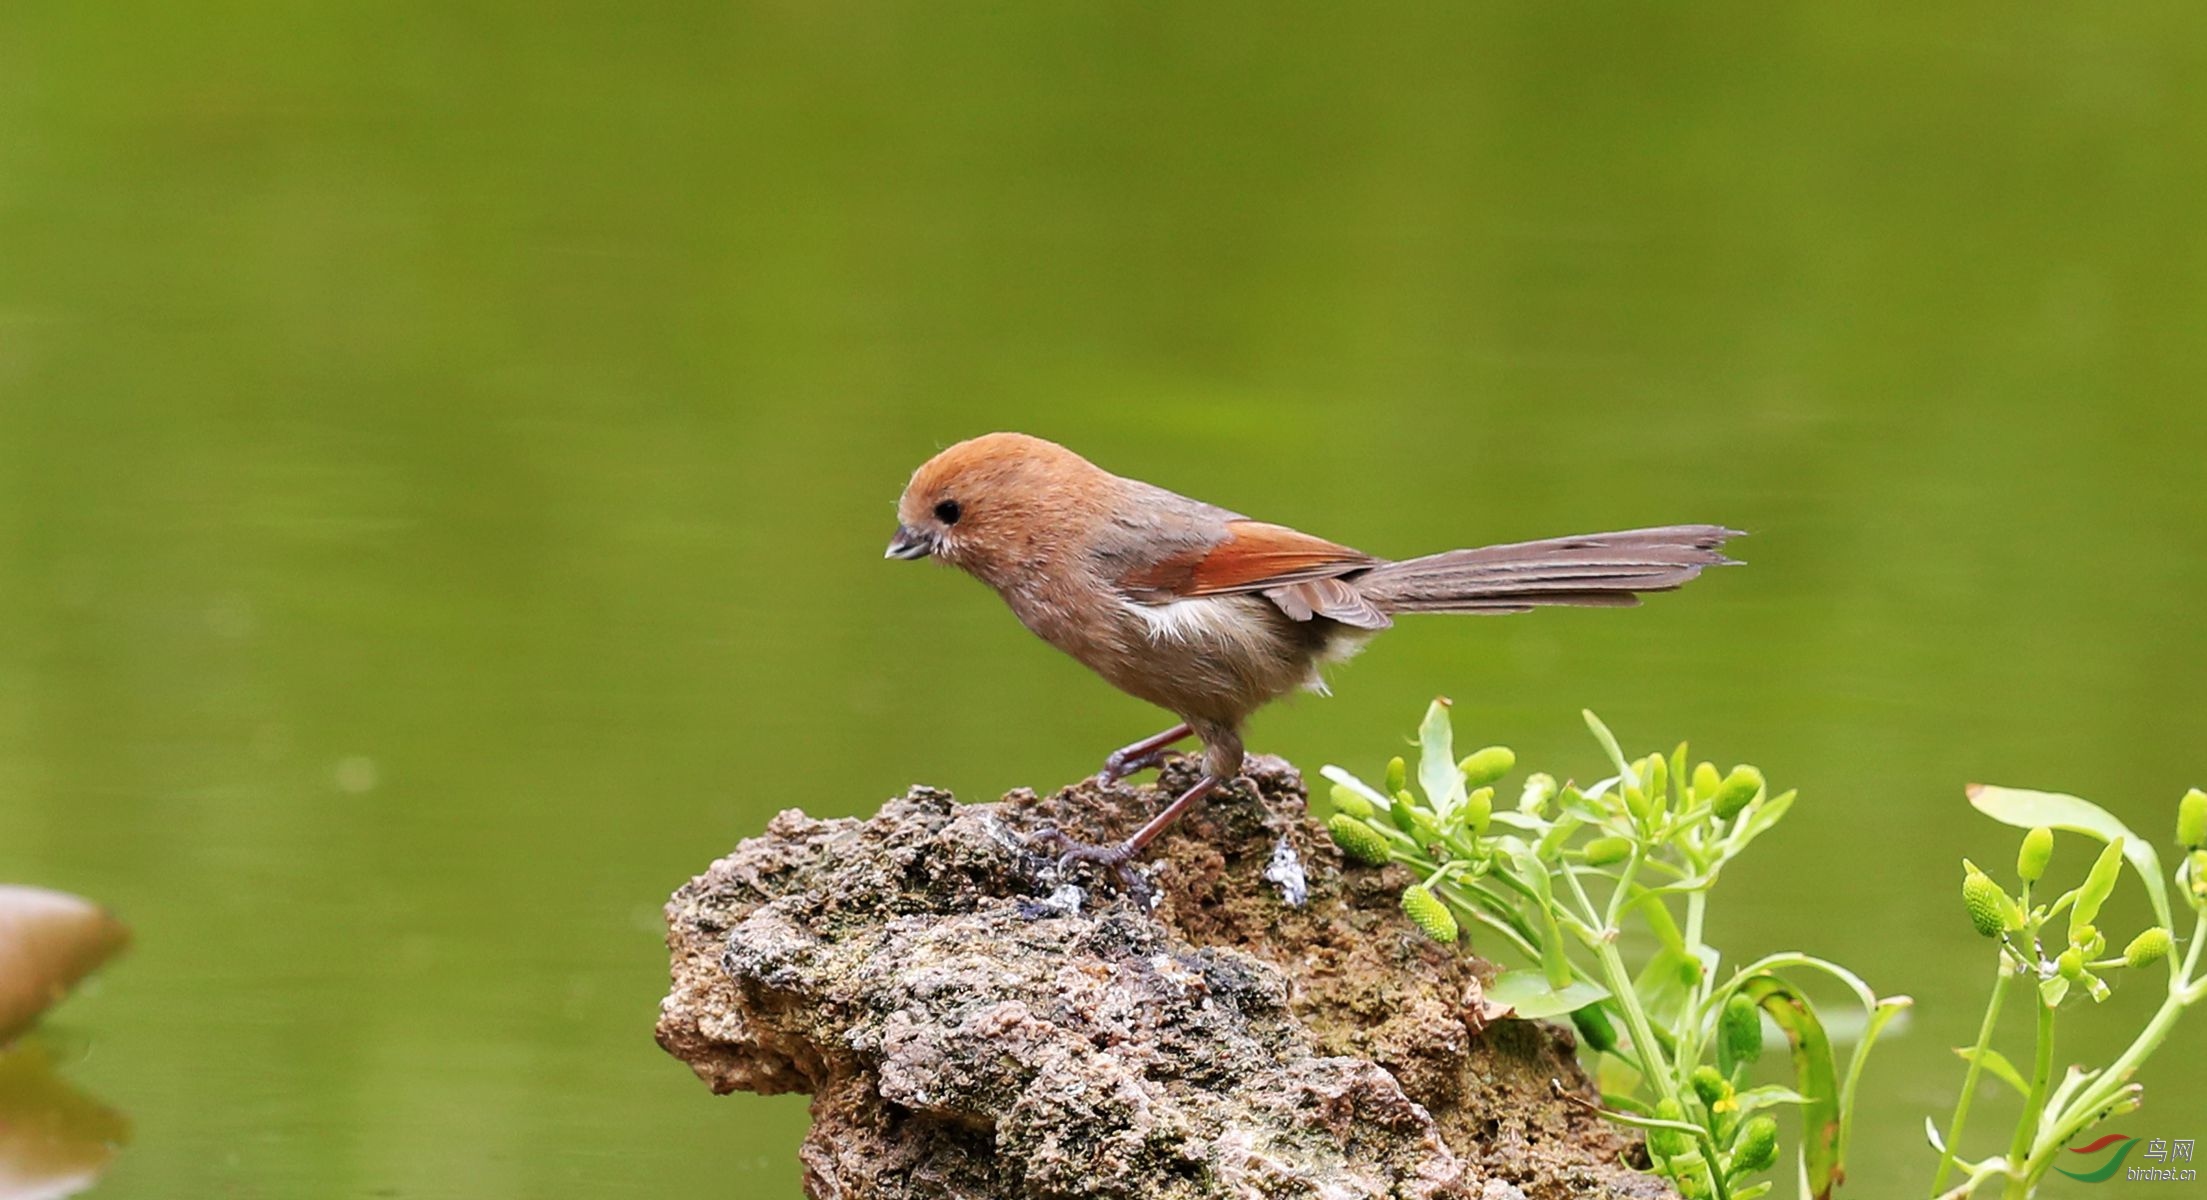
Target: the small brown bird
(1210, 615)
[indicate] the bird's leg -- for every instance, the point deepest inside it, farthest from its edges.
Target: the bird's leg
(1222, 758)
(1119, 856)
(1143, 755)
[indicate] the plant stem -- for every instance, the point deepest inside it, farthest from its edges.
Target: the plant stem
(1636, 1020)
(2191, 956)
(1696, 910)
(1969, 1078)
(1619, 981)
(2027, 1125)
(2085, 1108)
(1622, 891)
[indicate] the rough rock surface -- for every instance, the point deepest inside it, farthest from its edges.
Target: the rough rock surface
(972, 1025)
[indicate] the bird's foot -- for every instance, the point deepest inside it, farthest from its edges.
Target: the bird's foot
(1116, 858)
(1120, 763)
(1142, 755)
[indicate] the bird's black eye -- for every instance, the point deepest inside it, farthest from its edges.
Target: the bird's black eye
(948, 512)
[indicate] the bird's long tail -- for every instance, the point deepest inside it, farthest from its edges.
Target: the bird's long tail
(1600, 569)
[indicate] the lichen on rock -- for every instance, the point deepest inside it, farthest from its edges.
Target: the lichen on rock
(972, 1024)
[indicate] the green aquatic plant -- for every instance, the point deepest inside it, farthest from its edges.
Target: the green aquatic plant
(1561, 877)
(2054, 968)
(1558, 877)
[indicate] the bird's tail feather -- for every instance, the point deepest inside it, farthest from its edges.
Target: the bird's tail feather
(1601, 569)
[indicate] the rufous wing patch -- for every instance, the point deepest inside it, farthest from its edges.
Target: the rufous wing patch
(1258, 557)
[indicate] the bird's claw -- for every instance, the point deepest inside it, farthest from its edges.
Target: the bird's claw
(1119, 764)
(1141, 756)
(1116, 858)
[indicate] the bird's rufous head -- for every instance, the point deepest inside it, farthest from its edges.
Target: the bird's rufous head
(994, 503)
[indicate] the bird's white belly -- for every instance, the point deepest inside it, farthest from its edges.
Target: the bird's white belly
(1245, 630)
(1203, 621)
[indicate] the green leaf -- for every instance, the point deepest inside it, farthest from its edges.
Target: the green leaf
(1770, 1095)
(1472, 903)
(1998, 1064)
(1883, 1013)
(1552, 840)
(1609, 746)
(1759, 820)
(1438, 777)
(1815, 1074)
(1627, 1104)
(1534, 998)
(2026, 809)
(1931, 1134)
(1661, 984)
(2098, 886)
(1361, 788)
(1555, 963)
(1792, 958)
(1651, 908)
(1521, 822)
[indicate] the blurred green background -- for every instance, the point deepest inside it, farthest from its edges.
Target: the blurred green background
(445, 454)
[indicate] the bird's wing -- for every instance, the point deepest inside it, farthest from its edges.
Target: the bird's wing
(1299, 573)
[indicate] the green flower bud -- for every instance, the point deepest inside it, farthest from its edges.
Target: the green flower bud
(2037, 851)
(2147, 948)
(2071, 964)
(1706, 781)
(1429, 913)
(1595, 1028)
(2087, 939)
(1636, 802)
(1410, 817)
(2191, 819)
(1358, 840)
(1487, 766)
(2198, 874)
(1539, 790)
(1606, 850)
(1711, 1086)
(1422, 825)
(1757, 1149)
(1350, 801)
(1669, 1143)
(1478, 810)
(1740, 1030)
(1657, 773)
(1738, 790)
(1986, 903)
(1398, 774)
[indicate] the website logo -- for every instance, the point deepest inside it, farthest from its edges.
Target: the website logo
(2153, 1165)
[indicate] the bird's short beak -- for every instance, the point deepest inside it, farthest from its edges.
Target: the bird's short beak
(909, 543)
